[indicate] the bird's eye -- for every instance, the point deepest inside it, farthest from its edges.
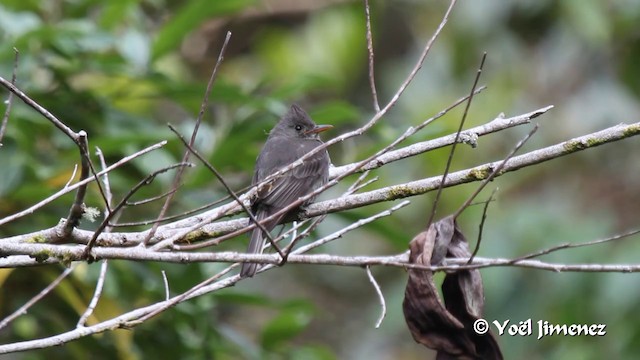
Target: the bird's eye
(298, 127)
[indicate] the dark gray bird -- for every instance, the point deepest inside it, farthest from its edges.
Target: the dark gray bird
(294, 136)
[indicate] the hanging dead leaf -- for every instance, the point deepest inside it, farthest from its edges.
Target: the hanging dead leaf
(448, 327)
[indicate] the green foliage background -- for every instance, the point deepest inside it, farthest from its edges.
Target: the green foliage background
(122, 69)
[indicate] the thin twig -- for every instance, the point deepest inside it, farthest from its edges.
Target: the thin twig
(372, 81)
(383, 304)
(73, 175)
(167, 293)
(149, 200)
(569, 245)
(481, 226)
(9, 102)
(171, 217)
(23, 309)
(176, 300)
(96, 294)
(108, 196)
(365, 184)
(434, 208)
(41, 110)
(185, 158)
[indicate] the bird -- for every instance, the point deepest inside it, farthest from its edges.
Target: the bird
(294, 136)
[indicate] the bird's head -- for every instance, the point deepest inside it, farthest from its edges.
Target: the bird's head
(296, 123)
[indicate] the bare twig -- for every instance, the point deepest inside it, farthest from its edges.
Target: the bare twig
(9, 102)
(146, 201)
(185, 158)
(96, 294)
(434, 208)
(176, 300)
(481, 226)
(167, 293)
(73, 175)
(569, 245)
(23, 309)
(37, 107)
(171, 217)
(372, 81)
(108, 195)
(383, 304)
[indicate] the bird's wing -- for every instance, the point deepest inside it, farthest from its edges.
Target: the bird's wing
(296, 183)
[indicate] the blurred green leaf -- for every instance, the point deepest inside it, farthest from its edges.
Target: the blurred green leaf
(12, 171)
(135, 47)
(14, 24)
(238, 298)
(286, 325)
(335, 113)
(312, 353)
(191, 15)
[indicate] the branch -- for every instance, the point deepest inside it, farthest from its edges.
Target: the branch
(71, 253)
(467, 136)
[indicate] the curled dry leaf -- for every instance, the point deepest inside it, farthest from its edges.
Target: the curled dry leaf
(446, 328)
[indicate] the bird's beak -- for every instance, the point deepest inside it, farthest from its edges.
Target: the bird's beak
(319, 129)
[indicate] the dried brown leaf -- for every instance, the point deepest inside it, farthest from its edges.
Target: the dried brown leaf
(448, 327)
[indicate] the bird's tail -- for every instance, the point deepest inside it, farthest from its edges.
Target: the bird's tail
(256, 244)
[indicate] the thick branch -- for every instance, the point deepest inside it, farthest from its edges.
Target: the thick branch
(74, 252)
